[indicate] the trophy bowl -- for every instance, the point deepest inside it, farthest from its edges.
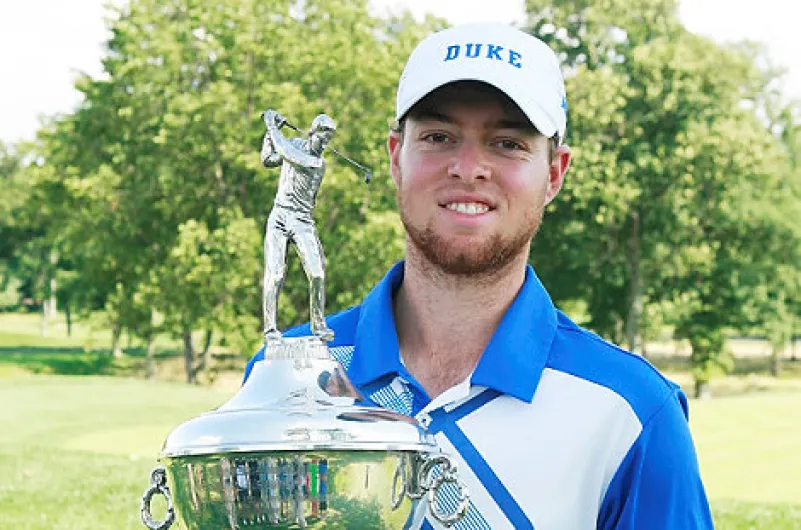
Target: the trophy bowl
(297, 447)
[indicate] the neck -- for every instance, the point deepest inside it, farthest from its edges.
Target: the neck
(445, 322)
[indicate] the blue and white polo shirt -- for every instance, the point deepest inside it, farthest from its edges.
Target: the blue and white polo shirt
(556, 429)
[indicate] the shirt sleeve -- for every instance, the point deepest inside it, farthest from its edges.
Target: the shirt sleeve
(658, 485)
(294, 150)
(249, 367)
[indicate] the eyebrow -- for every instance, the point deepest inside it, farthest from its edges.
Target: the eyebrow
(433, 115)
(523, 125)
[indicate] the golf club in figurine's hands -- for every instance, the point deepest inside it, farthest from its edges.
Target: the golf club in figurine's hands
(298, 446)
(281, 121)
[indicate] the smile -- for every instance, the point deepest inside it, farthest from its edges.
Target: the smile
(470, 208)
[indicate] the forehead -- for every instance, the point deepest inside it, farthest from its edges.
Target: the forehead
(470, 95)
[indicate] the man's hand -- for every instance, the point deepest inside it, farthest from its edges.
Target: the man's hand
(271, 117)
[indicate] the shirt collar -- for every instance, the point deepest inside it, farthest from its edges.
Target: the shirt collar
(516, 355)
(512, 362)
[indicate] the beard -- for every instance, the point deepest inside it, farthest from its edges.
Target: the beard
(474, 258)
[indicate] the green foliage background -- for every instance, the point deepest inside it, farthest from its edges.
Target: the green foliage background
(679, 213)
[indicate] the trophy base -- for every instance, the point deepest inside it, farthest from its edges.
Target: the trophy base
(296, 348)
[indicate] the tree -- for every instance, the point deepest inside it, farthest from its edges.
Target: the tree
(160, 171)
(15, 191)
(29, 254)
(207, 282)
(660, 205)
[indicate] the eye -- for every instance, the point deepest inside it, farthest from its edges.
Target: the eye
(510, 144)
(436, 137)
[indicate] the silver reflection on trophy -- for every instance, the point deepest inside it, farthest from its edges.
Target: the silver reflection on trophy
(297, 446)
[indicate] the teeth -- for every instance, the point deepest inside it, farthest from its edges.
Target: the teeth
(472, 208)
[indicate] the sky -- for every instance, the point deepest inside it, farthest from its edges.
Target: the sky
(44, 44)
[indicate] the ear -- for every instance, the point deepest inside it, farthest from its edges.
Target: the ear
(556, 173)
(394, 143)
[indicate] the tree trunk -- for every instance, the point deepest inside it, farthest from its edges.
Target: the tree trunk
(45, 318)
(150, 354)
(189, 357)
(52, 305)
(641, 334)
(635, 285)
(205, 354)
(53, 286)
(150, 351)
(702, 389)
(776, 360)
(116, 334)
(49, 307)
(68, 317)
(706, 347)
(643, 346)
(779, 333)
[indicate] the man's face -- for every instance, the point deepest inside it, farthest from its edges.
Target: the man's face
(473, 178)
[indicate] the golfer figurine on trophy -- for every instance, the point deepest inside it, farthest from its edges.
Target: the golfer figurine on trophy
(302, 169)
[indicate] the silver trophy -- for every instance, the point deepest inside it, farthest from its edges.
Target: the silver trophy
(297, 446)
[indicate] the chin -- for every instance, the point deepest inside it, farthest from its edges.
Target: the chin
(471, 257)
(474, 255)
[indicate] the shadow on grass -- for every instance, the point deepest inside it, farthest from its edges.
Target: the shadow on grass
(74, 361)
(80, 362)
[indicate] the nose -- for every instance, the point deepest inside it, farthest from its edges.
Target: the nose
(469, 162)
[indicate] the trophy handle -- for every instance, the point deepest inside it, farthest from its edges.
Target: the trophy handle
(431, 485)
(158, 485)
(400, 488)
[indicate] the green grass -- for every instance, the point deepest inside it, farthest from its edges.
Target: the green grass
(735, 515)
(25, 329)
(86, 351)
(750, 446)
(76, 452)
(89, 334)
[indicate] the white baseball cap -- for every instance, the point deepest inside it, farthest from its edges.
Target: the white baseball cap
(516, 63)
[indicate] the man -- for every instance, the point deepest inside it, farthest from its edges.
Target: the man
(302, 169)
(552, 427)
